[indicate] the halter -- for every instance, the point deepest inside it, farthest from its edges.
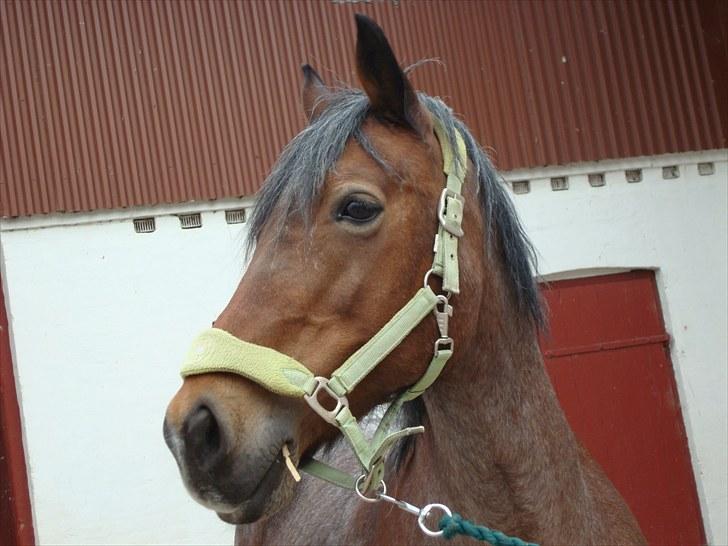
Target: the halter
(215, 350)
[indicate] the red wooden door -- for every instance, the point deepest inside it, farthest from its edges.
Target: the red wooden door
(607, 354)
(16, 524)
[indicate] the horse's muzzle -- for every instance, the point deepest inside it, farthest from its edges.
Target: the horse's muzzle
(233, 472)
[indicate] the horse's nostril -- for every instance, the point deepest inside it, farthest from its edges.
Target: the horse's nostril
(203, 437)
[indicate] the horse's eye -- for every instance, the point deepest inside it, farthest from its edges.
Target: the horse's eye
(359, 211)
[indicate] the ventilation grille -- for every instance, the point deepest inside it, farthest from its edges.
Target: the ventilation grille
(559, 183)
(190, 221)
(144, 225)
(633, 175)
(236, 216)
(670, 172)
(521, 186)
(596, 180)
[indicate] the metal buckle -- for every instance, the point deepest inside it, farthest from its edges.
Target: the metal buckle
(312, 400)
(444, 344)
(453, 229)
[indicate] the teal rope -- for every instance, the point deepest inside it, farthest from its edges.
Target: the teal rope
(456, 525)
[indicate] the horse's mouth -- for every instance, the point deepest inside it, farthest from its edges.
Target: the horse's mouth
(239, 475)
(267, 497)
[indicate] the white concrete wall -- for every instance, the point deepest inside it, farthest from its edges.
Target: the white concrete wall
(679, 228)
(101, 317)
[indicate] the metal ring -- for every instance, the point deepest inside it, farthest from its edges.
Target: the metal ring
(427, 277)
(426, 512)
(448, 293)
(363, 497)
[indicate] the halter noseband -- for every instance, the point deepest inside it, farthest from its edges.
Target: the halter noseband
(215, 350)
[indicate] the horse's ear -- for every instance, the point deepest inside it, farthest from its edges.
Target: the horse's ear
(314, 94)
(390, 93)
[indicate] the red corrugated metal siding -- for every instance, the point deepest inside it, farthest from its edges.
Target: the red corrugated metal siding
(122, 103)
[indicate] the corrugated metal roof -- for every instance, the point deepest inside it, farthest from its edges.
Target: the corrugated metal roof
(121, 103)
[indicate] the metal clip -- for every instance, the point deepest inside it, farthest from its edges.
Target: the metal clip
(443, 312)
(421, 513)
(312, 399)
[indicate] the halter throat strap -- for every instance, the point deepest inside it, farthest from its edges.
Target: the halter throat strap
(215, 350)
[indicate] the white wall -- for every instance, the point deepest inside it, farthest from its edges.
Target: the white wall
(678, 227)
(101, 317)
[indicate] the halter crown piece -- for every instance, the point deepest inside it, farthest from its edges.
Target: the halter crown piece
(215, 350)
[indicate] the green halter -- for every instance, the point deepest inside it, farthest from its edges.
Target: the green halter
(215, 350)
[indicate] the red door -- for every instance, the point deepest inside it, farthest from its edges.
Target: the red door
(16, 525)
(608, 357)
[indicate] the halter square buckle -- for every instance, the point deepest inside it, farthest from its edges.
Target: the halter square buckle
(444, 344)
(312, 400)
(451, 226)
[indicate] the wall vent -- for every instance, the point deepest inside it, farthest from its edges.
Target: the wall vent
(521, 186)
(596, 180)
(670, 172)
(144, 225)
(559, 183)
(236, 216)
(190, 221)
(633, 175)
(706, 169)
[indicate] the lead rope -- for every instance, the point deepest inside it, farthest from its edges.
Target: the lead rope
(450, 524)
(453, 525)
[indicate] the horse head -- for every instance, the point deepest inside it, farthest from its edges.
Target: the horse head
(343, 233)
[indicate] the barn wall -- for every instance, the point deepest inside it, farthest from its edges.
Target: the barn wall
(102, 316)
(112, 104)
(679, 228)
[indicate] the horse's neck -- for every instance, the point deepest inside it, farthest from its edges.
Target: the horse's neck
(496, 449)
(498, 442)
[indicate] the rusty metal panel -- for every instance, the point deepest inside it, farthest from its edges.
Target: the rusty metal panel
(109, 104)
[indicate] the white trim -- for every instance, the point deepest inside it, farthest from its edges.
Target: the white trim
(585, 273)
(610, 165)
(118, 215)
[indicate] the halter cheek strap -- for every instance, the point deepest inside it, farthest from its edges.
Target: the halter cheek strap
(215, 350)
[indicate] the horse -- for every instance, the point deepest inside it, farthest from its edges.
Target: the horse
(341, 238)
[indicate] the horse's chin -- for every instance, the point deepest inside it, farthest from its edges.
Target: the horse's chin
(274, 493)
